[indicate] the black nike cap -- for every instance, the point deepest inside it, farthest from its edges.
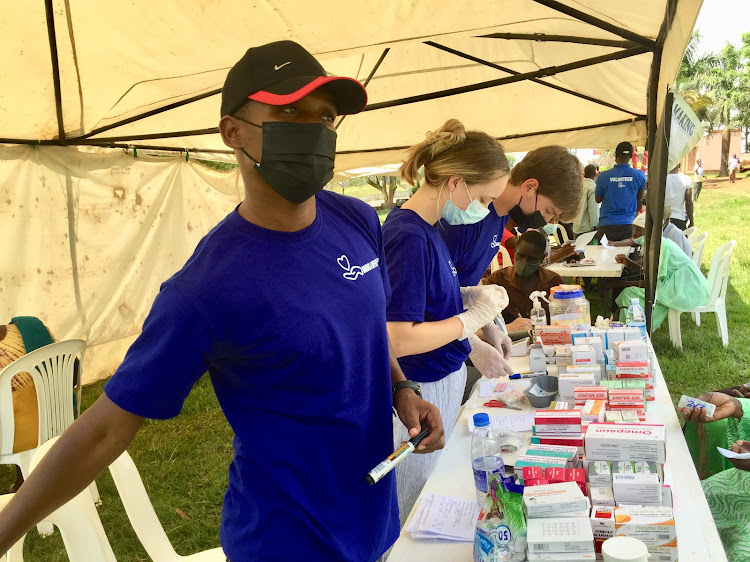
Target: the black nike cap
(284, 72)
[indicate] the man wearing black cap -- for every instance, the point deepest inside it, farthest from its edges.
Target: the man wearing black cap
(301, 364)
(620, 191)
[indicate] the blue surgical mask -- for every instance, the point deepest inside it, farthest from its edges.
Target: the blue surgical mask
(474, 213)
(549, 228)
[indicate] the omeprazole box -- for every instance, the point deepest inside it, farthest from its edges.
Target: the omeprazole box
(625, 442)
(546, 501)
(560, 535)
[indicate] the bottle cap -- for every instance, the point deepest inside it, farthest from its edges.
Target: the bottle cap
(481, 420)
(635, 300)
(624, 549)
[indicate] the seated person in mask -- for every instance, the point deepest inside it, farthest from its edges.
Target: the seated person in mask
(525, 277)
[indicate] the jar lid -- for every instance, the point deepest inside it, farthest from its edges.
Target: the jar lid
(563, 295)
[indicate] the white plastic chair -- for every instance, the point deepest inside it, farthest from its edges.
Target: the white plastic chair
(718, 279)
(561, 234)
(502, 253)
(689, 232)
(52, 368)
(699, 244)
(85, 522)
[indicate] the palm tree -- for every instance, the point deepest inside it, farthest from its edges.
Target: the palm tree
(691, 76)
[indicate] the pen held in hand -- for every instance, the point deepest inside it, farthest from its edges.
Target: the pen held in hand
(390, 462)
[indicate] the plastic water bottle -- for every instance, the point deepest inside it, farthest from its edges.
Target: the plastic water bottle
(636, 318)
(485, 455)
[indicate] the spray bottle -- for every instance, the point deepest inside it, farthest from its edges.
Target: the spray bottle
(538, 314)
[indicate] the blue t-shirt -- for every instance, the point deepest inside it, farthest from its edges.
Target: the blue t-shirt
(425, 289)
(291, 327)
(472, 246)
(619, 187)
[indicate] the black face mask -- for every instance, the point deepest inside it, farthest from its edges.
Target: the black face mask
(534, 220)
(297, 158)
(525, 268)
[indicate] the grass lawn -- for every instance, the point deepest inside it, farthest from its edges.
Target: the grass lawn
(183, 462)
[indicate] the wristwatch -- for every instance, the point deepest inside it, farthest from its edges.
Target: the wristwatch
(408, 384)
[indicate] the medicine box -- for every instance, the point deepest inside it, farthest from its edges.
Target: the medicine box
(524, 461)
(554, 335)
(652, 525)
(613, 416)
(602, 495)
(631, 351)
(577, 335)
(636, 488)
(614, 335)
(561, 439)
(562, 556)
(662, 553)
(596, 343)
(630, 417)
(535, 482)
(563, 356)
(554, 475)
(570, 534)
(557, 421)
(632, 334)
(537, 359)
(638, 467)
(582, 355)
(599, 473)
(632, 370)
(547, 501)
(594, 410)
(530, 472)
(622, 442)
(560, 405)
(567, 382)
(568, 453)
(603, 521)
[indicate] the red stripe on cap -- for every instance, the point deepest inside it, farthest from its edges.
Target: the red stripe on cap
(283, 99)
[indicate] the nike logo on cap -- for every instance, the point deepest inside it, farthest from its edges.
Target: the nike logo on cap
(280, 66)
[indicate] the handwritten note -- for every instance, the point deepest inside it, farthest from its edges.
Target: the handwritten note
(444, 517)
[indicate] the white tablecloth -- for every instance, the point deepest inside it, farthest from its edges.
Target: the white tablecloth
(697, 537)
(606, 266)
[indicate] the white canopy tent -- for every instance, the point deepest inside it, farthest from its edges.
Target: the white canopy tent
(145, 75)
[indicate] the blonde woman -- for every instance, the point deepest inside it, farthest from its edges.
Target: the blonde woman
(464, 171)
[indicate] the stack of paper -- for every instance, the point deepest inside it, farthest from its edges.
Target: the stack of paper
(444, 517)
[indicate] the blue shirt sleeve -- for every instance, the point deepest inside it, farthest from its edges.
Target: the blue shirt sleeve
(643, 179)
(164, 363)
(408, 263)
(599, 191)
(383, 264)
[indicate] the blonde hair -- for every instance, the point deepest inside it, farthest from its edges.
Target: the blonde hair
(560, 178)
(453, 151)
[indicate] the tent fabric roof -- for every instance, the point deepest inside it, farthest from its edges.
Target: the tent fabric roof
(589, 61)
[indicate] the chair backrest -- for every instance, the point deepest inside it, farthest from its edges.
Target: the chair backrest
(699, 244)
(52, 368)
(689, 232)
(502, 254)
(561, 234)
(716, 259)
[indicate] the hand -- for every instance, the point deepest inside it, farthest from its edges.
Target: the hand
(742, 391)
(489, 303)
(488, 360)
(415, 414)
(741, 447)
(519, 325)
(726, 406)
(626, 261)
(564, 251)
(498, 339)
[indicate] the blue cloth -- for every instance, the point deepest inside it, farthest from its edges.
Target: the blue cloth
(425, 289)
(619, 187)
(291, 328)
(472, 246)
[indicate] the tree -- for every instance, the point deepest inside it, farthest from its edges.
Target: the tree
(387, 186)
(691, 76)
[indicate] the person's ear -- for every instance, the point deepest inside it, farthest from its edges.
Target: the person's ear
(454, 182)
(231, 134)
(529, 186)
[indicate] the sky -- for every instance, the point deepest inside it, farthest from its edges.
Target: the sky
(720, 21)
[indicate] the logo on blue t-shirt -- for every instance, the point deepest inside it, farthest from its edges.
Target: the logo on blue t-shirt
(494, 243)
(352, 272)
(453, 268)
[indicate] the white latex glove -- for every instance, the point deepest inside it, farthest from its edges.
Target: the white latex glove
(488, 360)
(469, 295)
(498, 339)
(487, 305)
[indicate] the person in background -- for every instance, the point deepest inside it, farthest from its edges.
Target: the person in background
(22, 335)
(588, 219)
(734, 165)
(728, 491)
(620, 191)
(310, 402)
(678, 195)
(670, 231)
(432, 335)
(698, 180)
(525, 276)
